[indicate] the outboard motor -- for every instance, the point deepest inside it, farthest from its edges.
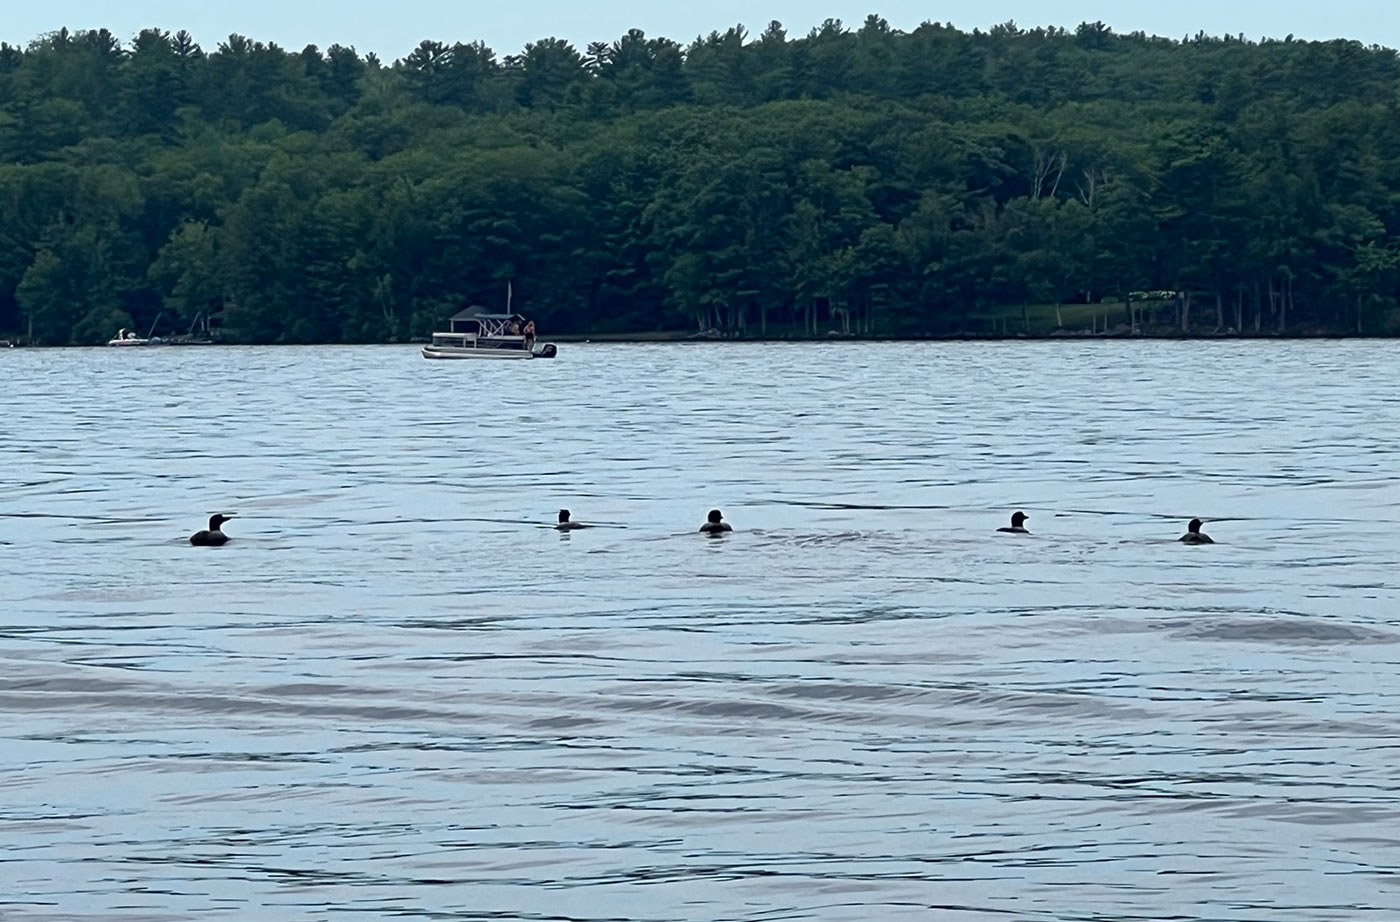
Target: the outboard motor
(547, 351)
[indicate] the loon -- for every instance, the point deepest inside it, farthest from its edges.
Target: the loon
(1194, 535)
(716, 525)
(211, 537)
(1018, 525)
(565, 524)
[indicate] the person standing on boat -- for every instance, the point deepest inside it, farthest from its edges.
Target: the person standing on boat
(529, 334)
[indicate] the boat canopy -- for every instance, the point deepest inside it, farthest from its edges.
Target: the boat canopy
(481, 313)
(476, 320)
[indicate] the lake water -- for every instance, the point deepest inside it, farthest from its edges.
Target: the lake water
(396, 694)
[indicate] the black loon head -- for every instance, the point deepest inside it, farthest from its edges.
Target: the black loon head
(1194, 527)
(1018, 519)
(215, 521)
(563, 516)
(716, 517)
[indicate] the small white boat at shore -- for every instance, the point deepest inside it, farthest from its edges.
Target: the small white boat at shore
(127, 337)
(473, 334)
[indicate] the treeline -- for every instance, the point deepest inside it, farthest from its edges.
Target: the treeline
(864, 179)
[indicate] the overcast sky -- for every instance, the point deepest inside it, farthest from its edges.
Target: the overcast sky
(392, 29)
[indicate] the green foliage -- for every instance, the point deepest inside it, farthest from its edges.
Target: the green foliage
(851, 180)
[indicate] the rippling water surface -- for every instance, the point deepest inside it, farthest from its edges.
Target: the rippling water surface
(396, 694)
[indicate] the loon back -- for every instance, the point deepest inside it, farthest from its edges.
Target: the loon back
(1018, 525)
(1194, 535)
(212, 536)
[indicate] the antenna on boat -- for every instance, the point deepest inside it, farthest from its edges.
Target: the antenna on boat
(509, 291)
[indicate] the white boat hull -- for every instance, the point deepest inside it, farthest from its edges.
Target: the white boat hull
(449, 352)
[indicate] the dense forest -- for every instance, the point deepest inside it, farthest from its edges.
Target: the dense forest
(864, 180)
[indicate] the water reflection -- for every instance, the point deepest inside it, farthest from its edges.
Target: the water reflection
(399, 693)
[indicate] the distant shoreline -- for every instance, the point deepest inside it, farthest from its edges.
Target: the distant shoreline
(692, 339)
(958, 337)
